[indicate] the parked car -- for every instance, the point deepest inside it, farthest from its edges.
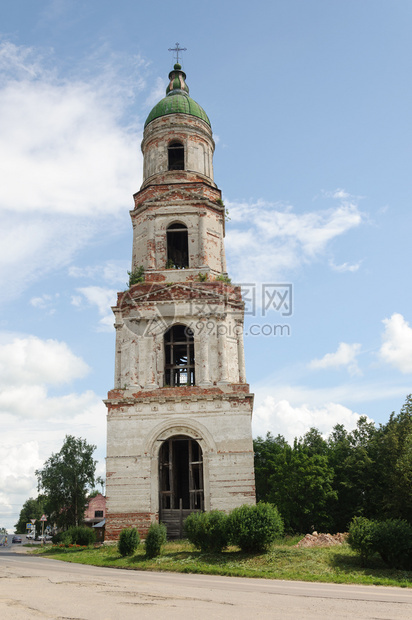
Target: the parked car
(16, 539)
(30, 535)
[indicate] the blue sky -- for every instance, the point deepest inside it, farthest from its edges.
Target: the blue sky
(310, 105)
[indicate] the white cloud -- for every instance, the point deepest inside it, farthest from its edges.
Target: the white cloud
(113, 271)
(157, 92)
(103, 299)
(34, 423)
(62, 149)
(30, 361)
(267, 241)
(106, 323)
(45, 302)
(365, 392)
(41, 302)
(76, 300)
(18, 62)
(281, 417)
(33, 401)
(16, 473)
(68, 162)
(32, 248)
(396, 348)
(345, 356)
(340, 194)
(27, 443)
(337, 194)
(344, 267)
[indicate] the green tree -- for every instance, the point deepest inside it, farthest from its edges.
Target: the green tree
(313, 442)
(66, 479)
(393, 447)
(266, 452)
(353, 459)
(94, 492)
(32, 509)
(366, 472)
(301, 488)
(298, 479)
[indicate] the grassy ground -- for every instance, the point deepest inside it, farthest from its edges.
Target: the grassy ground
(284, 561)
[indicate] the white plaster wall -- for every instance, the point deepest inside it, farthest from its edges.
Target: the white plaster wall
(135, 433)
(205, 236)
(218, 335)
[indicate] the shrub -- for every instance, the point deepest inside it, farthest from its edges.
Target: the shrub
(63, 538)
(136, 276)
(223, 277)
(361, 537)
(208, 531)
(156, 537)
(392, 539)
(81, 535)
(255, 528)
(129, 540)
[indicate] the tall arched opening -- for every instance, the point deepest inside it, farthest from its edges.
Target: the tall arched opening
(181, 489)
(179, 352)
(177, 246)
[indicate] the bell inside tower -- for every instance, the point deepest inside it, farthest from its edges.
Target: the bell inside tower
(179, 356)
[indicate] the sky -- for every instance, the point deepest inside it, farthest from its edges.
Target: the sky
(310, 105)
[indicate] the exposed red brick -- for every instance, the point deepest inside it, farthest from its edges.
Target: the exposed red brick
(181, 392)
(116, 522)
(190, 187)
(156, 291)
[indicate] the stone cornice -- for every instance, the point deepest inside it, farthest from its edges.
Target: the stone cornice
(127, 397)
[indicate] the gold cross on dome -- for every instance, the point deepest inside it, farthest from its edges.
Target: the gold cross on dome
(177, 49)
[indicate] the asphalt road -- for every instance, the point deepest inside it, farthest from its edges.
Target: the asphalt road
(40, 588)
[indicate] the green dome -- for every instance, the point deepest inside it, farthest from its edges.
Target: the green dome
(177, 100)
(177, 104)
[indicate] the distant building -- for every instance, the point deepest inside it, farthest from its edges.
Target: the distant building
(95, 510)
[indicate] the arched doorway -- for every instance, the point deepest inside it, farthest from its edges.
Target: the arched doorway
(181, 488)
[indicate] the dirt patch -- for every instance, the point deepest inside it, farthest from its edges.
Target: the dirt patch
(322, 540)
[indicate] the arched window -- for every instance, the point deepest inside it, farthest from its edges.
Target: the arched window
(176, 156)
(179, 356)
(180, 478)
(177, 246)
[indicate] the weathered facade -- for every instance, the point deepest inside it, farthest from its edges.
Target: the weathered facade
(179, 417)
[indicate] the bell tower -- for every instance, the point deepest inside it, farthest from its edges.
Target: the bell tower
(179, 417)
